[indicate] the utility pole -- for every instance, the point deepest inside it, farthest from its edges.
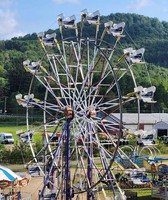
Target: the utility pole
(5, 106)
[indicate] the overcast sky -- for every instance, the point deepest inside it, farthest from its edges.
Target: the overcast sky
(20, 17)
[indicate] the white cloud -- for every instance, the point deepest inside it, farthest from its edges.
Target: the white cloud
(8, 20)
(139, 4)
(5, 3)
(66, 1)
(142, 3)
(12, 35)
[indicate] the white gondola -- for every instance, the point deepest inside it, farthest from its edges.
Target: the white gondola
(27, 100)
(145, 94)
(68, 22)
(25, 136)
(48, 39)
(93, 18)
(148, 93)
(115, 29)
(33, 67)
(134, 56)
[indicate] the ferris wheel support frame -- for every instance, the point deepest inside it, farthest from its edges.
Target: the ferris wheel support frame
(80, 93)
(68, 189)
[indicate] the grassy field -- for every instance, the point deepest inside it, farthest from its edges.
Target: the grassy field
(13, 128)
(143, 194)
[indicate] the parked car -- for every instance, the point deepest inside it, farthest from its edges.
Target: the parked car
(6, 138)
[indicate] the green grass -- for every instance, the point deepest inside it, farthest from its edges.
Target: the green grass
(143, 193)
(13, 128)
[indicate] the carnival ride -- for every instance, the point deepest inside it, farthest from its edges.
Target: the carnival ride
(11, 183)
(84, 85)
(158, 168)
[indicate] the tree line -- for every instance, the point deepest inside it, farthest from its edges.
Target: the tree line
(145, 32)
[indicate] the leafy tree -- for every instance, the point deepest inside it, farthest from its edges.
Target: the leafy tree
(145, 32)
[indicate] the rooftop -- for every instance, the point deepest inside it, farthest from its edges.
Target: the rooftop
(145, 118)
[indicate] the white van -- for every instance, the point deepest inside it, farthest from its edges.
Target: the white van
(6, 138)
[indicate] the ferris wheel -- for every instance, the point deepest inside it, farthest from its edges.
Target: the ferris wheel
(84, 85)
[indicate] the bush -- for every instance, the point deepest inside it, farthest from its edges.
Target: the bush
(162, 147)
(20, 153)
(2, 149)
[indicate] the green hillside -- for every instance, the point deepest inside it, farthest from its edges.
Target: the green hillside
(142, 31)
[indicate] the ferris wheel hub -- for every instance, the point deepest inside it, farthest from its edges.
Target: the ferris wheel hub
(68, 112)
